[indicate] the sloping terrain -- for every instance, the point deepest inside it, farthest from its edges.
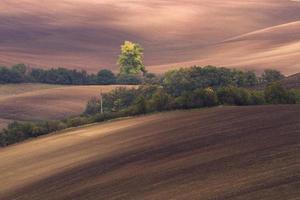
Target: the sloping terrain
(13, 90)
(87, 33)
(28, 102)
(276, 47)
(292, 81)
(220, 153)
(7, 90)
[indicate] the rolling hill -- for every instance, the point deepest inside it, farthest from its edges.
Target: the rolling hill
(32, 102)
(276, 47)
(252, 34)
(220, 153)
(292, 81)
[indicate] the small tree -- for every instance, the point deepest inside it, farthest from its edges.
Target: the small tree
(209, 97)
(128, 79)
(234, 96)
(276, 94)
(140, 105)
(93, 106)
(131, 59)
(271, 75)
(106, 77)
(257, 98)
(159, 101)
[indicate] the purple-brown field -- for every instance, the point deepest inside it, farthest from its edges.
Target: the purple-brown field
(252, 34)
(220, 153)
(35, 102)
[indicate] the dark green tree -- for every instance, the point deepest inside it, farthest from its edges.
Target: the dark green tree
(106, 77)
(128, 79)
(159, 101)
(93, 106)
(275, 93)
(234, 96)
(271, 75)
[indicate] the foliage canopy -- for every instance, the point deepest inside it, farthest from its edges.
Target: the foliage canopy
(131, 59)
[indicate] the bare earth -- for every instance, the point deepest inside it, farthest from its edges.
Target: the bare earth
(252, 34)
(236, 153)
(27, 102)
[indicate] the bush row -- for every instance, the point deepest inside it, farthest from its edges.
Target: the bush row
(157, 98)
(173, 81)
(22, 74)
(20, 131)
(179, 81)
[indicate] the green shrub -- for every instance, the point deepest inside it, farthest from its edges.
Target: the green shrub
(196, 99)
(182, 101)
(93, 106)
(106, 77)
(275, 93)
(291, 97)
(159, 101)
(234, 96)
(140, 106)
(206, 97)
(257, 98)
(176, 82)
(152, 79)
(297, 95)
(270, 76)
(128, 79)
(77, 121)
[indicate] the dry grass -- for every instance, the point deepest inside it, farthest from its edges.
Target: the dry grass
(87, 33)
(27, 102)
(221, 153)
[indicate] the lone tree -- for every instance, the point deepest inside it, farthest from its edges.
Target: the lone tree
(131, 59)
(270, 76)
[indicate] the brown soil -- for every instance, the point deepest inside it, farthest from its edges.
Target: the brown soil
(30, 102)
(236, 153)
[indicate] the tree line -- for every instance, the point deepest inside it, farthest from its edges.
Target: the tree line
(176, 79)
(153, 98)
(22, 74)
(149, 98)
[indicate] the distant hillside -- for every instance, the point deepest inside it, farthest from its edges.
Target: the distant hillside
(27, 102)
(292, 81)
(276, 47)
(220, 153)
(86, 34)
